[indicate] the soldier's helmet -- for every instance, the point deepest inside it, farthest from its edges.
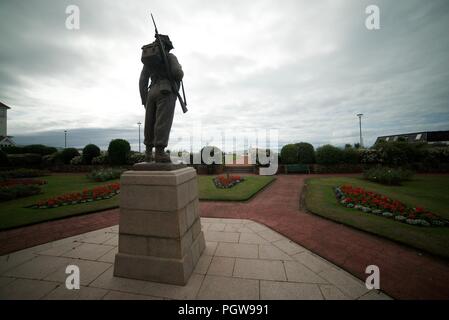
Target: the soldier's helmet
(167, 42)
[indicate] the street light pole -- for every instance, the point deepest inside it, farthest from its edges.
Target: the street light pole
(65, 139)
(360, 128)
(139, 123)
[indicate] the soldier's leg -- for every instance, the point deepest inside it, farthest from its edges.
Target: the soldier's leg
(150, 120)
(165, 105)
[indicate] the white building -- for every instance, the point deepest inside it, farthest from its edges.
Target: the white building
(5, 140)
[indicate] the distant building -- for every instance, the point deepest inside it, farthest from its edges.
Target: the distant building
(426, 136)
(5, 140)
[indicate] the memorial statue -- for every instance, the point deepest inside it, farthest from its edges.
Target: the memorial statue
(159, 98)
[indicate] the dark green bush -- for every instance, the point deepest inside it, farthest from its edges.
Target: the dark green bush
(306, 153)
(102, 159)
(105, 174)
(350, 156)
(89, 152)
(22, 173)
(329, 155)
(4, 162)
(68, 154)
(18, 191)
(118, 151)
(290, 154)
(401, 153)
(135, 158)
(32, 148)
(388, 176)
(24, 159)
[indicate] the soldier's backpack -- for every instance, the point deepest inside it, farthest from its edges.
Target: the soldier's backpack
(151, 55)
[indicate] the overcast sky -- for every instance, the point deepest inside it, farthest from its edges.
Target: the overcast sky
(305, 68)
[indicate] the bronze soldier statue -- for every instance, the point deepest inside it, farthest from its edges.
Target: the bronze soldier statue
(160, 98)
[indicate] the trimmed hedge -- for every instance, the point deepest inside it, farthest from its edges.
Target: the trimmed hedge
(89, 152)
(18, 191)
(68, 154)
(306, 153)
(118, 151)
(328, 155)
(289, 154)
(4, 161)
(25, 159)
(32, 148)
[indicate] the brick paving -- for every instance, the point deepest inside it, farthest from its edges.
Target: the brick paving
(405, 272)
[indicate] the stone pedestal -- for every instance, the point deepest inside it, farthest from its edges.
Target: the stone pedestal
(160, 237)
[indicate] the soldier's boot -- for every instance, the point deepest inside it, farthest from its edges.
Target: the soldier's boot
(149, 155)
(162, 156)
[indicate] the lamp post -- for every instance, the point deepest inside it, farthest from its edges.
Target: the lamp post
(360, 128)
(139, 123)
(65, 139)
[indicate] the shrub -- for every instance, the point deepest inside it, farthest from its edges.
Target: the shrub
(135, 158)
(388, 176)
(102, 159)
(4, 162)
(68, 154)
(33, 148)
(118, 151)
(401, 153)
(76, 161)
(289, 154)
(306, 153)
(105, 174)
(89, 152)
(18, 191)
(329, 154)
(24, 159)
(350, 156)
(22, 173)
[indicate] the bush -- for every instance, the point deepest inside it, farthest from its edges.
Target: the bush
(18, 191)
(350, 156)
(102, 159)
(401, 153)
(24, 159)
(306, 153)
(76, 161)
(22, 173)
(105, 174)
(4, 162)
(89, 152)
(290, 154)
(118, 151)
(33, 148)
(388, 176)
(329, 155)
(135, 158)
(68, 154)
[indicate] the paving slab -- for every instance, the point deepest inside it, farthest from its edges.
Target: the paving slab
(270, 266)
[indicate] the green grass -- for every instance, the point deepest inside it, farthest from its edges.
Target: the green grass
(240, 192)
(430, 192)
(14, 213)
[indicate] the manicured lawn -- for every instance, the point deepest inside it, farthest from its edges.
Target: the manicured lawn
(240, 192)
(14, 213)
(430, 192)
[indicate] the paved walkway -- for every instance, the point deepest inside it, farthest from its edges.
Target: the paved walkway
(242, 260)
(405, 273)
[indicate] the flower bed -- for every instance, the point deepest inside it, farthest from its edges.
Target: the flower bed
(23, 182)
(87, 195)
(227, 181)
(375, 203)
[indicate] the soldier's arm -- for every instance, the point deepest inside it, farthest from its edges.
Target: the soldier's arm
(143, 83)
(176, 69)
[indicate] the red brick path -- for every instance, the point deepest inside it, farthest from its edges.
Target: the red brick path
(405, 274)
